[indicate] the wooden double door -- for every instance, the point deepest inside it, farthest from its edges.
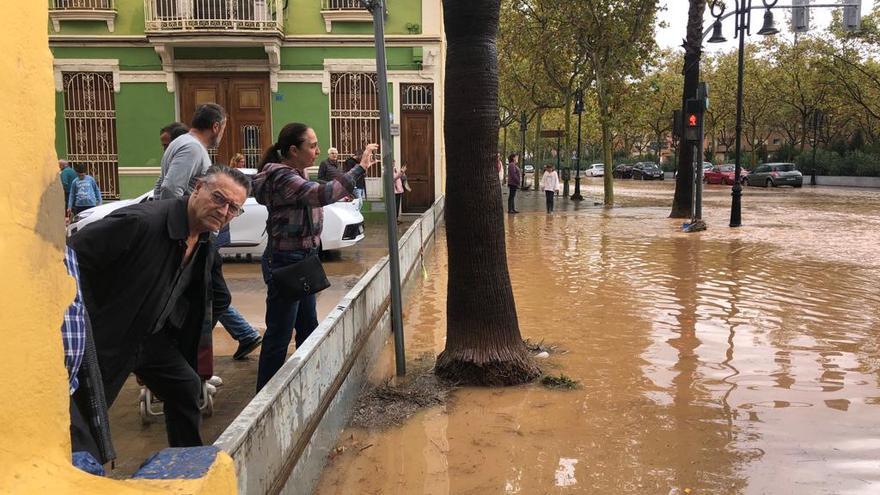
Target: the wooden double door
(246, 100)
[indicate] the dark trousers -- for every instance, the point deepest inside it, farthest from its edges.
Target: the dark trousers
(511, 205)
(76, 210)
(283, 315)
(549, 196)
(163, 369)
(398, 198)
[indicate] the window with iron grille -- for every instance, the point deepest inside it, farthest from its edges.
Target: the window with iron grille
(354, 114)
(251, 149)
(417, 97)
(90, 127)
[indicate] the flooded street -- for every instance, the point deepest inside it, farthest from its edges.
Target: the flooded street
(732, 361)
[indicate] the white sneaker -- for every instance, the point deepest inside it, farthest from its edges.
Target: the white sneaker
(215, 381)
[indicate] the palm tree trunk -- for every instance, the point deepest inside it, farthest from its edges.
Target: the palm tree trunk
(483, 342)
(684, 186)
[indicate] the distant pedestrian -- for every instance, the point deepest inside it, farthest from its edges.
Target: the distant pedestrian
(84, 192)
(399, 182)
(67, 177)
(329, 168)
(549, 183)
(237, 161)
(514, 176)
(360, 187)
(499, 168)
(171, 132)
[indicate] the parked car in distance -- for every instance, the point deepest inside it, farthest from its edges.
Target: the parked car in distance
(706, 167)
(595, 170)
(622, 171)
(646, 171)
(775, 174)
(343, 224)
(723, 174)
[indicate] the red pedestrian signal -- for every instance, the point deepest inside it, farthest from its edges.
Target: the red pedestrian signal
(692, 120)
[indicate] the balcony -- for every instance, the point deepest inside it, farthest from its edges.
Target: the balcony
(214, 16)
(83, 10)
(343, 11)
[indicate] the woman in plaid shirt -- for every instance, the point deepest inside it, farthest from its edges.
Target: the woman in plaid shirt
(294, 229)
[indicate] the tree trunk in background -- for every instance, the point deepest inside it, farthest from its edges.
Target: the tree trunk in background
(483, 343)
(684, 186)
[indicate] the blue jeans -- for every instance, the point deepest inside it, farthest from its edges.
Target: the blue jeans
(237, 326)
(360, 194)
(283, 314)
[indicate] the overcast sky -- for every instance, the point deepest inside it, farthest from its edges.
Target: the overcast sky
(676, 12)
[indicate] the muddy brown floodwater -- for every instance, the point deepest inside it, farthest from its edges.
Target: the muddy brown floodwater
(733, 361)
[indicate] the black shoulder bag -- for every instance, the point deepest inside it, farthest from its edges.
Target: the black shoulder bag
(302, 278)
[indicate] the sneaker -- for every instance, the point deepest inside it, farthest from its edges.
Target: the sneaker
(215, 381)
(246, 348)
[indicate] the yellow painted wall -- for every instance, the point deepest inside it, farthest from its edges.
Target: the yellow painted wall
(35, 288)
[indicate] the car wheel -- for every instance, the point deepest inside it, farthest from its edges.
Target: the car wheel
(769, 183)
(798, 185)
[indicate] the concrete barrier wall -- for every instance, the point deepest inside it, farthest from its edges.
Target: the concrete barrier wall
(841, 181)
(281, 439)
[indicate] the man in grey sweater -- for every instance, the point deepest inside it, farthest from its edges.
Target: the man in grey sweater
(185, 160)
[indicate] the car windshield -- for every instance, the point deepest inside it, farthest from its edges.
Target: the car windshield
(726, 168)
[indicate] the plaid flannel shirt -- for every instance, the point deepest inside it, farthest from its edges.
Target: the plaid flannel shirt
(287, 194)
(73, 329)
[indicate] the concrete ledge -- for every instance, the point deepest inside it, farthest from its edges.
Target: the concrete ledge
(844, 181)
(287, 430)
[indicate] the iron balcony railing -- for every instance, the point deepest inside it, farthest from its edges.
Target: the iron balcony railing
(172, 16)
(83, 5)
(341, 5)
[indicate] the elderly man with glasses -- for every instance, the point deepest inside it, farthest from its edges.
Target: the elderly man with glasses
(145, 273)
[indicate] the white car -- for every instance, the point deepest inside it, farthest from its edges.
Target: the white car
(343, 224)
(595, 170)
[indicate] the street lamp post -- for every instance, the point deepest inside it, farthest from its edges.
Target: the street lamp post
(743, 14)
(377, 9)
(578, 110)
(523, 123)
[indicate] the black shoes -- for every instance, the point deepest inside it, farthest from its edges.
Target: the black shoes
(246, 348)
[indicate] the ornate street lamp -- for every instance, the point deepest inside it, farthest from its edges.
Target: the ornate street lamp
(578, 110)
(743, 13)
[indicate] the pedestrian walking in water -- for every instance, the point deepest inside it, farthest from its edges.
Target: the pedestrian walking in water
(514, 178)
(549, 183)
(294, 227)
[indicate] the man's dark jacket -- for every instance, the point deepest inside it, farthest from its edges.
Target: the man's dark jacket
(128, 262)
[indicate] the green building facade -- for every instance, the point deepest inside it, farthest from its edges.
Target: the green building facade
(126, 68)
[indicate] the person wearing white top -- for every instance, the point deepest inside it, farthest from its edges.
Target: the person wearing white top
(549, 183)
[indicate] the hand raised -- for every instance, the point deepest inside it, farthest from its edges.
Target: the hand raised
(367, 160)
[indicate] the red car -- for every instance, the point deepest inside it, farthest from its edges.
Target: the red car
(723, 174)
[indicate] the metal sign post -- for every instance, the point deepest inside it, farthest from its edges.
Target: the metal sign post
(377, 8)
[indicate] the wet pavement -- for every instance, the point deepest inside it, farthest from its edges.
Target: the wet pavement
(135, 442)
(732, 361)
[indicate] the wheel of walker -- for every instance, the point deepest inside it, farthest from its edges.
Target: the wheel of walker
(208, 410)
(142, 408)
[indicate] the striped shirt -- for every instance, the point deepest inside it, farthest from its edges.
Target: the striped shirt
(73, 329)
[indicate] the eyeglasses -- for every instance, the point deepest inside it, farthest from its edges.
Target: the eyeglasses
(220, 200)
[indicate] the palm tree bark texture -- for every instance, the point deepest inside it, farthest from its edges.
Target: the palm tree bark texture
(483, 342)
(693, 47)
